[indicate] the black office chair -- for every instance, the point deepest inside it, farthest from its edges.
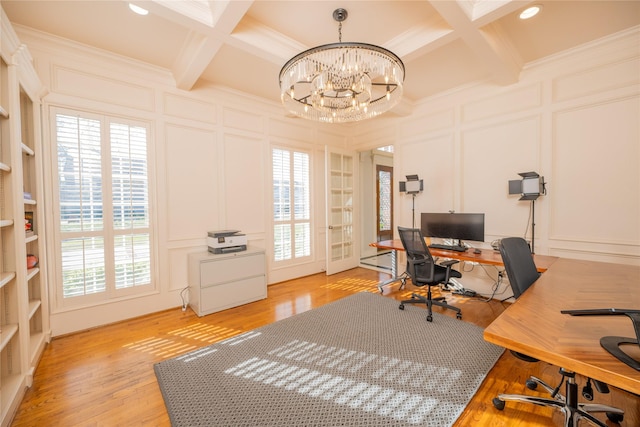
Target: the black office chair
(522, 273)
(423, 270)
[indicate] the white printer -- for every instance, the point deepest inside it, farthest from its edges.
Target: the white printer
(225, 241)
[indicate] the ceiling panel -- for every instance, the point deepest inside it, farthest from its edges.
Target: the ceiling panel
(562, 25)
(243, 44)
(107, 25)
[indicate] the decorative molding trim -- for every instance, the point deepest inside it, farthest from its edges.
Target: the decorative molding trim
(597, 79)
(518, 99)
(189, 108)
(101, 88)
(242, 119)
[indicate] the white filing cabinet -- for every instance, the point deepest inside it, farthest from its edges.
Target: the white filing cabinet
(221, 281)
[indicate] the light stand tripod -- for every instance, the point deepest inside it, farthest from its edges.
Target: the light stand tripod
(413, 186)
(533, 225)
(530, 187)
(413, 210)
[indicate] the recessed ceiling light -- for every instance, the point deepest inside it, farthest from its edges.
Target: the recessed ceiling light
(530, 12)
(138, 9)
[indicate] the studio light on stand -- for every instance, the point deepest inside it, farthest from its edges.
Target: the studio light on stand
(414, 186)
(530, 187)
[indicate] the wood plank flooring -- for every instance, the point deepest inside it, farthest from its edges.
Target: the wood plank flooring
(104, 376)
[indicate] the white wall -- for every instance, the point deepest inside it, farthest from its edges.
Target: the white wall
(573, 118)
(212, 164)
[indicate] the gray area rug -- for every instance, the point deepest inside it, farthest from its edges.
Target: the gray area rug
(359, 361)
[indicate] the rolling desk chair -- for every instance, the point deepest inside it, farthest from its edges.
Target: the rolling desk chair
(423, 271)
(522, 273)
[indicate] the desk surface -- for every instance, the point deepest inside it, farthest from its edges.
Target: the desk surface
(486, 256)
(533, 325)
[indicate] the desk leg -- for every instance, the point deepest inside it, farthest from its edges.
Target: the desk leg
(394, 273)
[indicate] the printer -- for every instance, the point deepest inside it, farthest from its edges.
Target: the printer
(225, 241)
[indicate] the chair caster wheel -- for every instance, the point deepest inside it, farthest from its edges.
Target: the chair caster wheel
(531, 384)
(429, 318)
(616, 418)
(401, 306)
(458, 316)
(499, 404)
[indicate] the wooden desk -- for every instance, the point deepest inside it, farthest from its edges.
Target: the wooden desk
(486, 256)
(533, 325)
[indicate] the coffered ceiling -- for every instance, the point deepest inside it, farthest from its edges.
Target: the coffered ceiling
(243, 44)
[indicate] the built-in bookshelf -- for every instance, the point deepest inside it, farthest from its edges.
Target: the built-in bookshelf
(31, 184)
(24, 316)
(11, 369)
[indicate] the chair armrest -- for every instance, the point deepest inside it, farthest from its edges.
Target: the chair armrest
(417, 261)
(449, 263)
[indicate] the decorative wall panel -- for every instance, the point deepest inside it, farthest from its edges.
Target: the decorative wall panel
(192, 182)
(602, 183)
(117, 92)
(434, 162)
(244, 183)
(189, 108)
(597, 79)
(242, 120)
(507, 149)
(434, 121)
(520, 99)
(285, 129)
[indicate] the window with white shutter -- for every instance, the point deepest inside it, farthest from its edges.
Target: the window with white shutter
(103, 207)
(291, 205)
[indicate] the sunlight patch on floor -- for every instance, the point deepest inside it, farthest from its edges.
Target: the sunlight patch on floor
(168, 347)
(352, 284)
(160, 347)
(206, 333)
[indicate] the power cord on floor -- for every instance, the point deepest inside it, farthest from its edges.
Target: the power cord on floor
(466, 293)
(456, 287)
(185, 300)
(496, 286)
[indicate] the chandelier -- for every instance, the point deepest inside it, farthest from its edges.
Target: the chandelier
(341, 82)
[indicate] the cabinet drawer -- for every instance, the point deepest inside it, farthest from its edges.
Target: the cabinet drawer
(231, 269)
(226, 295)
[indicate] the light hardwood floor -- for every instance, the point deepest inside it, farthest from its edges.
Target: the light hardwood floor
(104, 376)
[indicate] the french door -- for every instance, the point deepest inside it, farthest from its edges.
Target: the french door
(342, 234)
(384, 202)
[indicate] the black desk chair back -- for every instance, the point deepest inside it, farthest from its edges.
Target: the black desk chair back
(519, 264)
(522, 273)
(424, 271)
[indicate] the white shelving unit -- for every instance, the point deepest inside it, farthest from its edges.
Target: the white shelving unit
(24, 315)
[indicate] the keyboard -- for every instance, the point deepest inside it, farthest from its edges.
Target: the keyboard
(455, 248)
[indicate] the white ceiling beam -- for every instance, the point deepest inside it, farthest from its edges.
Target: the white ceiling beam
(487, 42)
(201, 47)
(196, 54)
(418, 41)
(264, 42)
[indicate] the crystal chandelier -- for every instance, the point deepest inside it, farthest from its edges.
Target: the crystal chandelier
(341, 82)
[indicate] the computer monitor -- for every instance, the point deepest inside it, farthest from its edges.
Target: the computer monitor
(458, 226)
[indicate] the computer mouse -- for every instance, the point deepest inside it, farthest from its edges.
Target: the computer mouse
(477, 251)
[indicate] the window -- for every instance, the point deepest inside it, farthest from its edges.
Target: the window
(103, 198)
(291, 205)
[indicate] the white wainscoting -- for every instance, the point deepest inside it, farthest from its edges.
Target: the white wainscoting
(466, 144)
